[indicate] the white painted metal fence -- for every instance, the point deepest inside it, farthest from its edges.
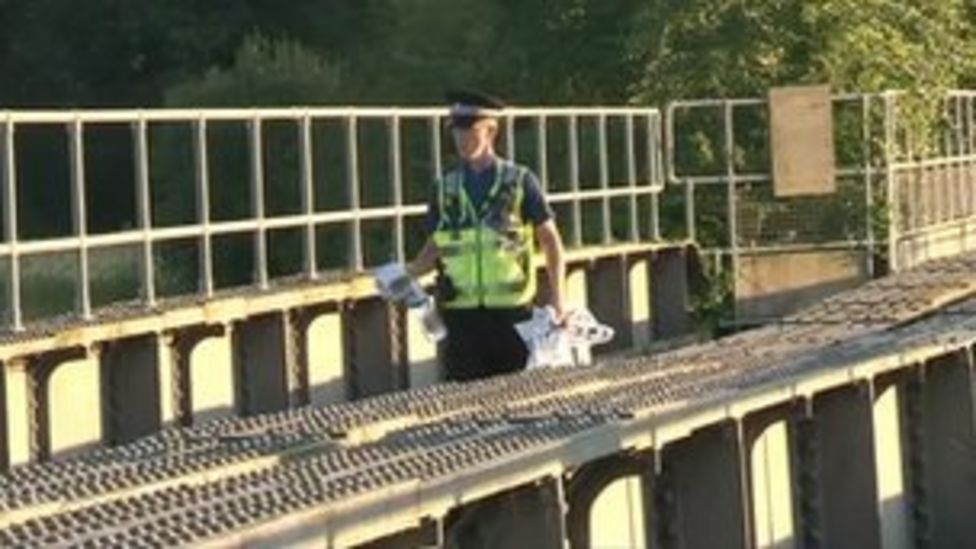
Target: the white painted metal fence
(732, 165)
(931, 174)
(905, 174)
(361, 176)
(597, 163)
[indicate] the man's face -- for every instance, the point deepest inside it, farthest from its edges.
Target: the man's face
(472, 141)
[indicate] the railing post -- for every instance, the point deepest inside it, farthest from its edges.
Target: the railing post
(10, 231)
(868, 168)
(510, 149)
(574, 180)
(396, 181)
(144, 208)
(892, 188)
(79, 213)
(655, 171)
(352, 162)
(733, 221)
(436, 146)
(542, 151)
(632, 176)
(202, 163)
(607, 233)
(672, 170)
(257, 203)
(308, 195)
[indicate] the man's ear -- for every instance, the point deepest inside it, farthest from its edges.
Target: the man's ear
(492, 129)
(493, 136)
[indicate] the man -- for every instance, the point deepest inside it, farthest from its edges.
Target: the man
(484, 219)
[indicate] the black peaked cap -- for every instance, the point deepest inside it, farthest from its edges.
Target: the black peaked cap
(474, 100)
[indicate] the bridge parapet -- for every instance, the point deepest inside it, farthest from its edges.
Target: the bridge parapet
(777, 436)
(127, 375)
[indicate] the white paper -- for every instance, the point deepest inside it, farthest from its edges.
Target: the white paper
(397, 286)
(553, 345)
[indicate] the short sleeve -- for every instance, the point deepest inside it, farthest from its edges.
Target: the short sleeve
(534, 206)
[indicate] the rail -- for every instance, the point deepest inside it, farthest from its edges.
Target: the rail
(597, 163)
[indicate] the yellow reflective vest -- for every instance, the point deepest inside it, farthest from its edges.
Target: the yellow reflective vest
(486, 251)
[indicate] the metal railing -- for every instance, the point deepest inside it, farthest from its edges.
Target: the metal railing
(211, 183)
(731, 160)
(606, 160)
(932, 170)
(905, 172)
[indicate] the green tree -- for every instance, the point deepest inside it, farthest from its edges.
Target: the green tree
(267, 73)
(107, 52)
(117, 53)
(733, 47)
(527, 51)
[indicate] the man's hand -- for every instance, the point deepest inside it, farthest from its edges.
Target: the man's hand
(559, 312)
(425, 261)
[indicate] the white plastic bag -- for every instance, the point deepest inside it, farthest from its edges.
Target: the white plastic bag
(397, 286)
(552, 345)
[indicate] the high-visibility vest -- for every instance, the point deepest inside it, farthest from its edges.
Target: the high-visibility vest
(486, 251)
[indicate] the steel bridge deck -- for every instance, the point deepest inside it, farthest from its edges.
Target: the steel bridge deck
(240, 478)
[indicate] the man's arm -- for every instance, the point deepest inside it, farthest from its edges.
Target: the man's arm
(552, 248)
(425, 261)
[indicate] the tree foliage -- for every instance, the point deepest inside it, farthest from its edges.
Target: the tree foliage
(264, 72)
(111, 52)
(734, 47)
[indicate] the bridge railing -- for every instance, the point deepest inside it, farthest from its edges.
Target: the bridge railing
(905, 176)
(136, 206)
(132, 207)
(931, 177)
(771, 251)
(719, 158)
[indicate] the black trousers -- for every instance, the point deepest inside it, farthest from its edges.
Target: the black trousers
(482, 342)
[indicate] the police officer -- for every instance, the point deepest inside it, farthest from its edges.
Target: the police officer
(485, 218)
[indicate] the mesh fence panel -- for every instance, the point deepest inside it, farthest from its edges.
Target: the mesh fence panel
(764, 220)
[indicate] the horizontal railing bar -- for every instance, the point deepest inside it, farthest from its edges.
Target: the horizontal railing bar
(720, 179)
(749, 101)
(959, 223)
(750, 177)
(934, 162)
(693, 103)
(596, 194)
(131, 237)
(837, 245)
(291, 113)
